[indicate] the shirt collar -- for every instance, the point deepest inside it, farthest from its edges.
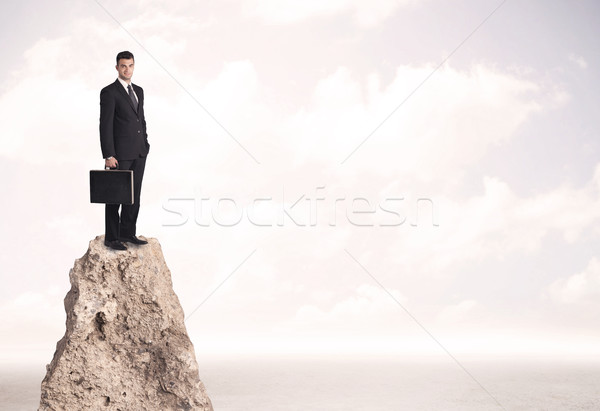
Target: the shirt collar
(124, 83)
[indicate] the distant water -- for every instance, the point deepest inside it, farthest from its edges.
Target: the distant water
(370, 385)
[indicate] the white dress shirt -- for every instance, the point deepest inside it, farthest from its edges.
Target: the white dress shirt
(124, 83)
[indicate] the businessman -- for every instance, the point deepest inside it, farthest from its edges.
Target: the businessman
(124, 144)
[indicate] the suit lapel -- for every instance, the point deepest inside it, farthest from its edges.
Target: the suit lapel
(125, 95)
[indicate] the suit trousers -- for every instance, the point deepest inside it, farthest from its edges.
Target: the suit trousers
(124, 226)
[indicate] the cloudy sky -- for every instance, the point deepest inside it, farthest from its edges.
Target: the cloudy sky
(325, 176)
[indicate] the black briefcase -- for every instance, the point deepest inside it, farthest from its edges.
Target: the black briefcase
(111, 186)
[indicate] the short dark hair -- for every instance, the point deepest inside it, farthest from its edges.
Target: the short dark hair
(125, 55)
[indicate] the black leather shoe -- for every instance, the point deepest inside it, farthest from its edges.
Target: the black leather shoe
(134, 240)
(115, 245)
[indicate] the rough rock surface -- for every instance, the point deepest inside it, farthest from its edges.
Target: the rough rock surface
(126, 346)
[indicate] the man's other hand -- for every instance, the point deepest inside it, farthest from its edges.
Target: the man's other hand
(111, 162)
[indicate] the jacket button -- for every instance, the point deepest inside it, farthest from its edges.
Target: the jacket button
(138, 131)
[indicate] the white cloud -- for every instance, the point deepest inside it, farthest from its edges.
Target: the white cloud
(499, 223)
(578, 60)
(31, 315)
(43, 121)
(369, 308)
(451, 122)
(583, 287)
(289, 11)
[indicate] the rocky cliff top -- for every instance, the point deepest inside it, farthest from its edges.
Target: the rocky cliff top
(125, 345)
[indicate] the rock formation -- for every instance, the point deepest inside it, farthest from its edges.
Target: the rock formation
(126, 346)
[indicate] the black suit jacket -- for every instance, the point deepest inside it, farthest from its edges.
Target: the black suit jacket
(122, 128)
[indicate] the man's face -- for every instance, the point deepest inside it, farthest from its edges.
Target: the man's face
(125, 69)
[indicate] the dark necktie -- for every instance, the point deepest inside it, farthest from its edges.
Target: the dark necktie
(132, 97)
